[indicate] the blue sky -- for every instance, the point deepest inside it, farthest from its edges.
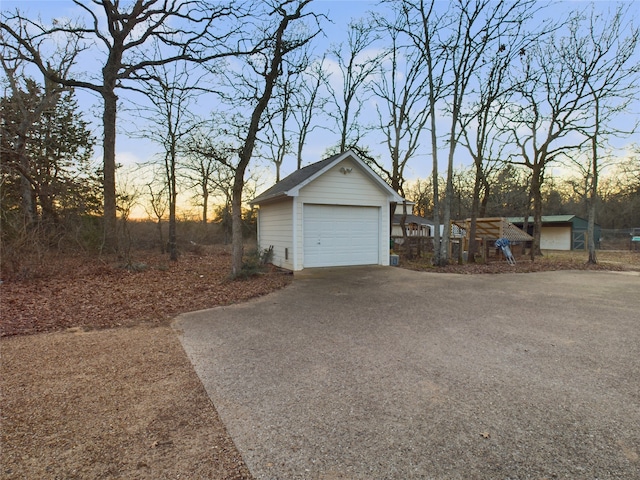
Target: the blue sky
(131, 151)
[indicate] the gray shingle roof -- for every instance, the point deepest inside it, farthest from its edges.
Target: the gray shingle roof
(412, 219)
(281, 188)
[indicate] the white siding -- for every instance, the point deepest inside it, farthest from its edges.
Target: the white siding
(275, 227)
(336, 188)
(555, 238)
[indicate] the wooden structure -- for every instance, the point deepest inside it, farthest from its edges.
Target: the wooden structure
(488, 230)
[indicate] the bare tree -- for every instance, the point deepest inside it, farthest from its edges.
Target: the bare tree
(308, 100)
(290, 115)
(420, 192)
(205, 168)
(281, 37)
(477, 27)
(356, 68)
(604, 64)
(479, 120)
(624, 193)
(424, 25)
(188, 30)
(455, 44)
(558, 97)
(156, 207)
(171, 91)
(402, 91)
(127, 196)
(278, 142)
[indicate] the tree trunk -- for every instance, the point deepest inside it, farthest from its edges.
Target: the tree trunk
(593, 190)
(405, 238)
(343, 134)
(173, 243)
(448, 199)
(436, 191)
(475, 207)
(299, 155)
(173, 198)
(28, 210)
(236, 226)
(205, 205)
(482, 212)
(591, 232)
(163, 249)
(525, 223)
(536, 196)
(110, 241)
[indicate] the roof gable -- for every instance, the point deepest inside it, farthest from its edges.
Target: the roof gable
(290, 186)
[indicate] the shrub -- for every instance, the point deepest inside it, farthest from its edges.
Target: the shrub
(255, 262)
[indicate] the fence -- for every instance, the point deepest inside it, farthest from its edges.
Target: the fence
(619, 239)
(413, 247)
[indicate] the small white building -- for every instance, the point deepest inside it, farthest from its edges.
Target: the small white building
(331, 213)
(415, 225)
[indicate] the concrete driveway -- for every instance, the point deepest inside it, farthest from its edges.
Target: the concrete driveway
(384, 373)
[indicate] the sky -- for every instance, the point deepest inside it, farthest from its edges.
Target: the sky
(132, 151)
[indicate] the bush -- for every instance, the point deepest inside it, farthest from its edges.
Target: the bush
(255, 262)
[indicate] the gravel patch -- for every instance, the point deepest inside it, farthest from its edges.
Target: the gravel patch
(379, 372)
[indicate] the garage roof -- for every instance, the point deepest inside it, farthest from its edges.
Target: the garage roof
(290, 185)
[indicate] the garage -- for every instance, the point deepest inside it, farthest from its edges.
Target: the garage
(339, 235)
(335, 212)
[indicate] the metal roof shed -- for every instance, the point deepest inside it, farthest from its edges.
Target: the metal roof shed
(560, 232)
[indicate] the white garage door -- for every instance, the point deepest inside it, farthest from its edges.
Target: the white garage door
(340, 235)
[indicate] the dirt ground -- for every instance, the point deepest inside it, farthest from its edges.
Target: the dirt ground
(117, 403)
(94, 383)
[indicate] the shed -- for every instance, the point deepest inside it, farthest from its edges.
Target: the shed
(560, 232)
(331, 213)
(415, 225)
(488, 230)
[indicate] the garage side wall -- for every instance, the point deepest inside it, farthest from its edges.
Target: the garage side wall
(275, 228)
(555, 238)
(334, 187)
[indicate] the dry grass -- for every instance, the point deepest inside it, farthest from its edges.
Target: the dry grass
(626, 258)
(618, 260)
